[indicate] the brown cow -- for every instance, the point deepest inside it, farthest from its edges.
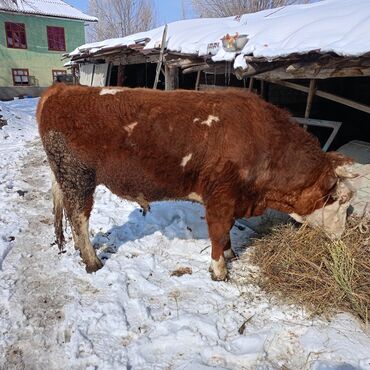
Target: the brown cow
(232, 151)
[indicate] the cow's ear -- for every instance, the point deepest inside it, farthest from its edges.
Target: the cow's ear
(341, 165)
(339, 159)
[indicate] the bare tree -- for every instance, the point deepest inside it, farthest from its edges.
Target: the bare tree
(12, 3)
(118, 18)
(221, 8)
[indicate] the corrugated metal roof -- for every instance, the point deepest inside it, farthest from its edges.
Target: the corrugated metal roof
(52, 8)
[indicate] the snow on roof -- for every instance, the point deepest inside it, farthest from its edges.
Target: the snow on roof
(53, 8)
(339, 26)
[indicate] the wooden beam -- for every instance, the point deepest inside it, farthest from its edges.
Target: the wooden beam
(133, 59)
(325, 95)
(198, 80)
(313, 72)
(160, 61)
(204, 87)
(183, 62)
(311, 93)
(202, 67)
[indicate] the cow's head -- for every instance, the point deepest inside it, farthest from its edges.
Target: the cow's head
(330, 212)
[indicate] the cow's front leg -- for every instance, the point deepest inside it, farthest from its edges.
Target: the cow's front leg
(220, 221)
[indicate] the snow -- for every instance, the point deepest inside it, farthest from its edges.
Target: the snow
(339, 26)
(55, 8)
(132, 313)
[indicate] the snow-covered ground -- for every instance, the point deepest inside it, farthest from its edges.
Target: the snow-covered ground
(132, 313)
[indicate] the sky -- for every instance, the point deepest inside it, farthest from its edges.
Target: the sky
(167, 10)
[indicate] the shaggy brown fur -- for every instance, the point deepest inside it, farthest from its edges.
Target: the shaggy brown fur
(233, 151)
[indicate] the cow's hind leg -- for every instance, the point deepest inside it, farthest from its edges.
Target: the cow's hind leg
(80, 224)
(78, 202)
(77, 182)
(58, 213)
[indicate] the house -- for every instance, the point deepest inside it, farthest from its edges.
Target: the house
(34, 34)
(312, 58)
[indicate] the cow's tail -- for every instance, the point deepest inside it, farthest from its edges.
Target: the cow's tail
(58, 211)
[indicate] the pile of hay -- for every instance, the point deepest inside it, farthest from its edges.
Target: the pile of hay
(302, 266)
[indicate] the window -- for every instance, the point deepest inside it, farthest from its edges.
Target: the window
(56, 40)
(58, 72)
(15, 35)
(20, 77)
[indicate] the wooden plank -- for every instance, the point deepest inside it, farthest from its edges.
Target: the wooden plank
(197, 81)
(121, 75)
(171, 77)
(311, 93)
(198, 68)
(251, 81)
(325, 95)
(204, 87)
(133, 59)
(160, 61)
(312, 72)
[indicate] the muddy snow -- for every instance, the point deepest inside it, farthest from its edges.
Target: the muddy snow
(135, 313)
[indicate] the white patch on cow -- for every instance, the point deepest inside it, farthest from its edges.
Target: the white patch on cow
(196, 120)
(110, 91)
(130, 128)
(229, 254)
(210, 120)
(345, 172)
(186, 159)
(219, 268)
(331, 218)
(195, 197)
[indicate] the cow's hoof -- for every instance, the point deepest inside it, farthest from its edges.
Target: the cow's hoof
(94, 266)
(222, 277)
(218, 270)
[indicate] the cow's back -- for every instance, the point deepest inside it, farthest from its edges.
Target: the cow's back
(166, 144)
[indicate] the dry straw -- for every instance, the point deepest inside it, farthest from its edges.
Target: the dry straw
(303, 266)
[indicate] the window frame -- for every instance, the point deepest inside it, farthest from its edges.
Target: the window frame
(6, 36)
(51, 47)
(27, 74)
(58, 70)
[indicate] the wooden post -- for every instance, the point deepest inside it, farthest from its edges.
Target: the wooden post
(74, 74)
(160, 61)
(262, 92)
(251, 80)
(172, 77)
(197, 81)
(310, 96)
(121, 75)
